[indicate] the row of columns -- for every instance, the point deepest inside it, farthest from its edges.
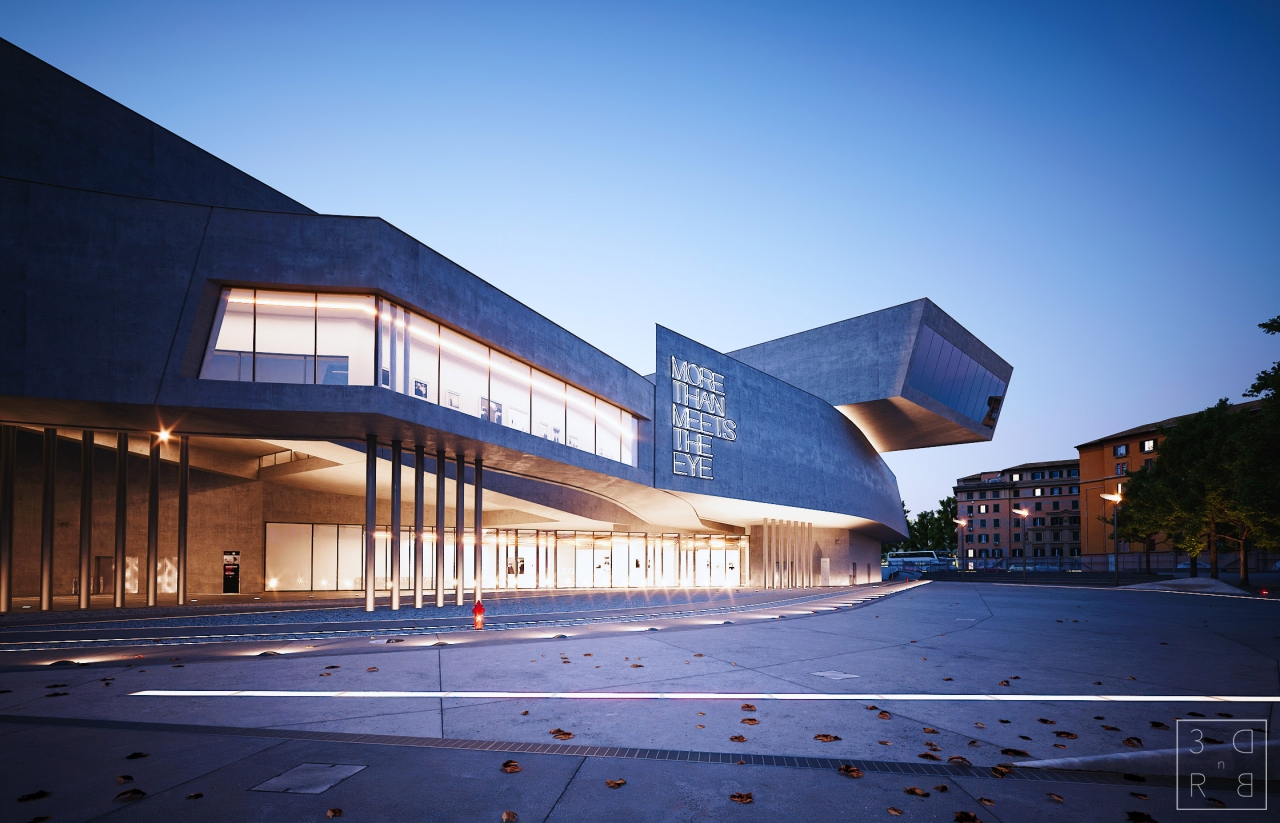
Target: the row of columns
(419, 487)
(788, 554)
(48, 507)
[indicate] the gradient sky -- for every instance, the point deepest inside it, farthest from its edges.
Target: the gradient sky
(1093, 189)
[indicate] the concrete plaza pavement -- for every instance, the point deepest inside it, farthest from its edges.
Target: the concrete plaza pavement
(937, 639)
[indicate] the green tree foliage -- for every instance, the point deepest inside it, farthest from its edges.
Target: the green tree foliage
(1217, 477)
(933, 530)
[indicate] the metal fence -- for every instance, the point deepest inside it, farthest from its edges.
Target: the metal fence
(1168, 562)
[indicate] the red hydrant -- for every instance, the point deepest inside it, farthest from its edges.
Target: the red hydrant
(478, 612)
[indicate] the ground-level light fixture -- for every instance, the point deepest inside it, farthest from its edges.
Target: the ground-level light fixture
(164, 435)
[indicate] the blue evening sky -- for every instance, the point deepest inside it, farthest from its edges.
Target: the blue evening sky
(1093, 189)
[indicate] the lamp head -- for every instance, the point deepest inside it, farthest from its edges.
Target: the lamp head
(1114, 498)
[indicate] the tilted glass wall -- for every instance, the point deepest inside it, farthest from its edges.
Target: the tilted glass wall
(264, 336)
(953, 378)
(327, 557)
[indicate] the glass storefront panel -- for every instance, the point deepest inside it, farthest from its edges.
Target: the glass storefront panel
(345, 339)
(350, 558)
(230, 354)
(608, 430)
(547, 417)
(324, 557)
(284, 337)
(464, 374)
(508, 392)
(288, 562)
(424, 359)
(580, 419)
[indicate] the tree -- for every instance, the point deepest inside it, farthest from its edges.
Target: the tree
(932, 530)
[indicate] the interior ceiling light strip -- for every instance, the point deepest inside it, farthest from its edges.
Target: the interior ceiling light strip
(1016, 698)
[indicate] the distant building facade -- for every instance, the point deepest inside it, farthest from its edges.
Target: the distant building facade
(1103, 465)
(1049, 494)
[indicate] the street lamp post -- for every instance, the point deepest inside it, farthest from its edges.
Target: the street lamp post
(960, 550)
(1022, 513)
(1115, 499)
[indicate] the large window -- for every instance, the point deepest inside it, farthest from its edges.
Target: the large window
(264, 336)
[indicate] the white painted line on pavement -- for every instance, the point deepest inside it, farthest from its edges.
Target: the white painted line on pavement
(1006, 698)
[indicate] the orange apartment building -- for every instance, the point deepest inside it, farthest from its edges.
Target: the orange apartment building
(1049, 493)
(1103, 464)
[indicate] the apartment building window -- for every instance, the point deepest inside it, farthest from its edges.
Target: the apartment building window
(1039, 551)
(1147, 446)
(1037, 493)
(1076, 536)
(1074, 490)
(1055, 521)
(968, 496)
(982, 524)
(1075, 504)
(982, 538)
(982, 509)
(995, 538)
(1073, 473)
(1017, 538)
(1121, 469)
(1055, 491)
(1148, 463)
(1017, 522)
(968, 538)
(1037, 475)
(1074, 521)
(982, 495)
(1017, 476)
(982, 552)
(1075, 551)
(1037, 521)
(1016, 552)
(1056, 551)
(1055, 474)
(995, 524)
(1016, 493)
(1039, 507)
(995, 509)
(1057, 536)
(969, 510)
(1056, 505)
(1120, 451)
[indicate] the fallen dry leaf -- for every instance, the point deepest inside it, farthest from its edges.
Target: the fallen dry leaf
(334, 812)
(326, 674)
(702, 714)
(125, 778)
(1215, 801)
(526, 711)
(1111, 728)
(697, 655)
(1000, 771)
(135, 756)
(1014, 753)
(967, 817)
(195, 796)
(128, 795)
(1138, 795)
(615, 784)
(1056, 798)
(850, 771)
(333, 667)
(896, 812)
(873, 708)
(510, 766)
(826, 738)
(915, 791)
(975, 744)
(928, 730)
(1023, 737)
(928, 756)
(747, 707)
(510, 817)
(750, 721)
(1006, 721)
(962, 761)
(27, 798)
(700, 726)
(942, 787)
(1004, 682)
(737, 738)
(742, 797)
(980, 725)
(1059, 746)
(986, 801)
(884, 715)
(885, 743)
(1133, 742)
(947, 678)
(637, 666)
(587, 654)
(1066, 735)
(1156, 724)
(1047, 722)
(561, 734)
(1140, 817)
(372, 669)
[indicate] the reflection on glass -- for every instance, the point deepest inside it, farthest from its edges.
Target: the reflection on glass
(284, 337)
(953, 378)
(509, 386)
(608, 430)
(344, 340)
(548, 407)
(464, 374)
(580, 423)
(230, 353)
(288, 561)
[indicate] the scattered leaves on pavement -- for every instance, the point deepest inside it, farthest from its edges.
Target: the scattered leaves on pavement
(523, 713)
(372, 669)
(885, 743)
(1138, 795)
(928, 730)
(195, 796)
(129, 794)
(1000, 771)
(1004, 682)
(915, 791)
(326, 674)
(135, 756)
(510, 766)
(850, 771)
(615, 784)
(947, 678)
(980, 725)
(636, 665)
(697, 655)
(700, 726)
(967, 817)
(737, 738)
(958, 760)
(561, 734)
(928, 756)
(1059, 746)
(884, 715)
(510, 817)
(943, 787)
(1066, 735)
(746, 707)
(826, 738)
(1111, 728)
(895, 811)
(1140, 817)
(750, 721)
(873, 708)
(1223, 714)
(1006, 721)
(1133, 742)
(1156, 724)
(1014, 753)
(742, 797)
(333, 667)
(974, 743)
(1023, 737)
(125, 778)
(1046, 721)
(1056, 798)
(986, 801)
(27, 798)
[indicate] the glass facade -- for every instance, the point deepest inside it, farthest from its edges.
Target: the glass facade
(953, 378)
(327, 557)
(263, 336)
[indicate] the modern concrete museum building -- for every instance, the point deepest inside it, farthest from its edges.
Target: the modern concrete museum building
(207, 387)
